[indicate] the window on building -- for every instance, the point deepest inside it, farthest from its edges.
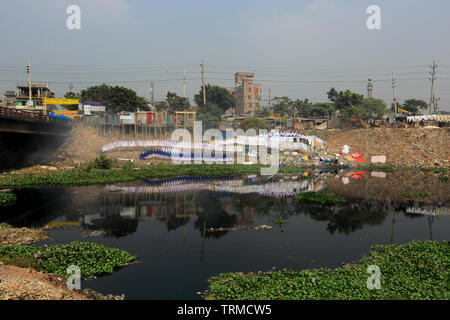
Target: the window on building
(250, 97)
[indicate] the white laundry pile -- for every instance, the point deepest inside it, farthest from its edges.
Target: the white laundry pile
(273, 140)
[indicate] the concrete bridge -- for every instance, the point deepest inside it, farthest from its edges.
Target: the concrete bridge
(29, 137)
(33, 122)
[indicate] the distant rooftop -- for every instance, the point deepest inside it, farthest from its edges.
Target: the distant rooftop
(33, 85)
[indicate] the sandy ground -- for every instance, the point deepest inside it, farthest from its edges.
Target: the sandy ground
(27, 284)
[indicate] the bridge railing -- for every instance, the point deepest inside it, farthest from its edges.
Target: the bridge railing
(36, 116)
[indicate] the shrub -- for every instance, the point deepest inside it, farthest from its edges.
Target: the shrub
(102, 162)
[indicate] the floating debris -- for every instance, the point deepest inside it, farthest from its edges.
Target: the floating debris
(261, 227)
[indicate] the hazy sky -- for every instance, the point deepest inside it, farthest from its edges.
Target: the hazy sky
(297, 48)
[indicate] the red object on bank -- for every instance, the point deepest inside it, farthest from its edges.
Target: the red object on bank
(356, 154)
(149, 117)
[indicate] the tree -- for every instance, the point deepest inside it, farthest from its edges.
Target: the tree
(254, 123)
(346, 101)
(176, 103)
(264, 112)
(219, 96)
(161, 106)
(373, 108)
(413, 105)
(210, 114)
(71, 95)
(302, 108)
(282, 105)
(321, 110)
(115, 99)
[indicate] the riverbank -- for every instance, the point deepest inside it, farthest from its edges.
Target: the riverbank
(12, 236)
(87, 175)
(416, 270)
(38, 273)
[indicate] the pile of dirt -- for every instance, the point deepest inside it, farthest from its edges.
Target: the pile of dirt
(11, 236)
(28, 284)
(410, 147)
(84, 145)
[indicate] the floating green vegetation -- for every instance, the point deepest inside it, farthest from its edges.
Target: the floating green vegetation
(4, 225)
(82, 176)
(417, 194)
(416, 270)
(319, 198)
(7, 199)
(91, 258)
(443, 178)
(279, 220)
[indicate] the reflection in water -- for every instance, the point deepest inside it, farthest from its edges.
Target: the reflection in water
(274, 189)
(166, 224)
(347, 219)
(212, 203)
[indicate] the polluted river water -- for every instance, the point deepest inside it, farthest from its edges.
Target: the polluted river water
(185, 230)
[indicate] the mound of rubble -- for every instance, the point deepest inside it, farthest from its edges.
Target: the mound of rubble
(410, 147)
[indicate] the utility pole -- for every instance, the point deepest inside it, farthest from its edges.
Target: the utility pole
(269, 98)
(433, 77)
(184, 83)
(29, 79)
(435, 103)
(203, 83)
(152, 91)
(393, 92)
(243, 95)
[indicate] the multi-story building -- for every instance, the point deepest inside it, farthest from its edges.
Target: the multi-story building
(247, 93)
(19, 98)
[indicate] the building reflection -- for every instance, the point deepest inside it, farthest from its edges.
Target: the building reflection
(207, 204)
